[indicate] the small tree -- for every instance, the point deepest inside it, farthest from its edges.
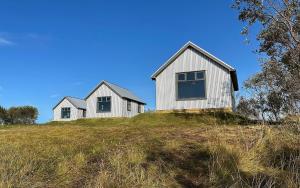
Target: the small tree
(22, 115)
(30, 114)
(3, 115)
(279, 39)
(12, 115)
(247, 108)
(275, 102)
(257, 90)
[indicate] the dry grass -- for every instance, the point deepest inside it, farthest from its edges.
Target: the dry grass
(151, 150)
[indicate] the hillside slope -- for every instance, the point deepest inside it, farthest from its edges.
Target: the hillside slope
(150, 150)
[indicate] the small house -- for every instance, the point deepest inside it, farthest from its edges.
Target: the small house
(69, 108)
(193, 79)
(105, 100)
(110, 100)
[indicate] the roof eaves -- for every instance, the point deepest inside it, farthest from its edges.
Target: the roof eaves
(58, 103)
(102, 82)
(108, 85)
(169, 61)
(140, 102)
(62, 101)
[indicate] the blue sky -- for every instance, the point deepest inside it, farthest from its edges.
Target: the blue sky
(53, 48)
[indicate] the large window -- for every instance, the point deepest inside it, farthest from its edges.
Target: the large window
(139, 108)
(65, 113)
(128, 105)
(104, 104)
(190, 85)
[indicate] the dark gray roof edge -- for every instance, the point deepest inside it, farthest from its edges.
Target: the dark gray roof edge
(107, 84)
(66, 97)
(141, 102)
(235, 83)
(181, 50)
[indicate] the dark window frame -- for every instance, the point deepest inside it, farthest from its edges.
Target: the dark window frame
(65, 110)
(185, 80)
(129, 105)
(98, 110)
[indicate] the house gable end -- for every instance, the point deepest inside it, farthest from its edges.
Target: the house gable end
(114, 90)
(214, 59)
(98, 86)
(65, 98)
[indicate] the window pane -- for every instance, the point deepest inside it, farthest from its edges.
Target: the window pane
(104, 104)
(181, 76)
(65, 113)
(128, 105)
(200, 75)
(191, 76)
(191, 89)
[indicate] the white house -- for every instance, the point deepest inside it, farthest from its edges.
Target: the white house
(193, 79)
(69, 108)
(106, 100)
(110, 100)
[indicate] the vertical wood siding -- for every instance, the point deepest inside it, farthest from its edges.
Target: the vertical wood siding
(65, 104)
(134, 109)
(80, 113)
(218, 83)
(116, 103)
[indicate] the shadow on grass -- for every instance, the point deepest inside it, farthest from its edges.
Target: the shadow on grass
(189, 163)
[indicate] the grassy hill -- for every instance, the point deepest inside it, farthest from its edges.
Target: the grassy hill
(150, 150)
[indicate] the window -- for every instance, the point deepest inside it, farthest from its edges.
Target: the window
(104, 104)
(65, 113)
(84, 113)
(128, 105)
(190, 85)
(139, 108)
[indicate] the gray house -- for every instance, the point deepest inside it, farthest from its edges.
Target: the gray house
(193, 79)
(106, 100)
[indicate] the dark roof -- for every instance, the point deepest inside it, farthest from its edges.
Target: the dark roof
(77, 103)
(207, 54)
(122, 92)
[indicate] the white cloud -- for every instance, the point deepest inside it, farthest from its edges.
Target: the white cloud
(5, 42)
(54, 95)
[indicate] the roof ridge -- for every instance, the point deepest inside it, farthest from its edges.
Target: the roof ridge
(118, 86)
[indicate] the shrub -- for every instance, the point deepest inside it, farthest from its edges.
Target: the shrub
(22, 115)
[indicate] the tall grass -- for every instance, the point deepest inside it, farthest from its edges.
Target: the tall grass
(150, 150)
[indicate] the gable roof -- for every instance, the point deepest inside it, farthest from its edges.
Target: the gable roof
(122, 92)
(77, 103)
(207, 54)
